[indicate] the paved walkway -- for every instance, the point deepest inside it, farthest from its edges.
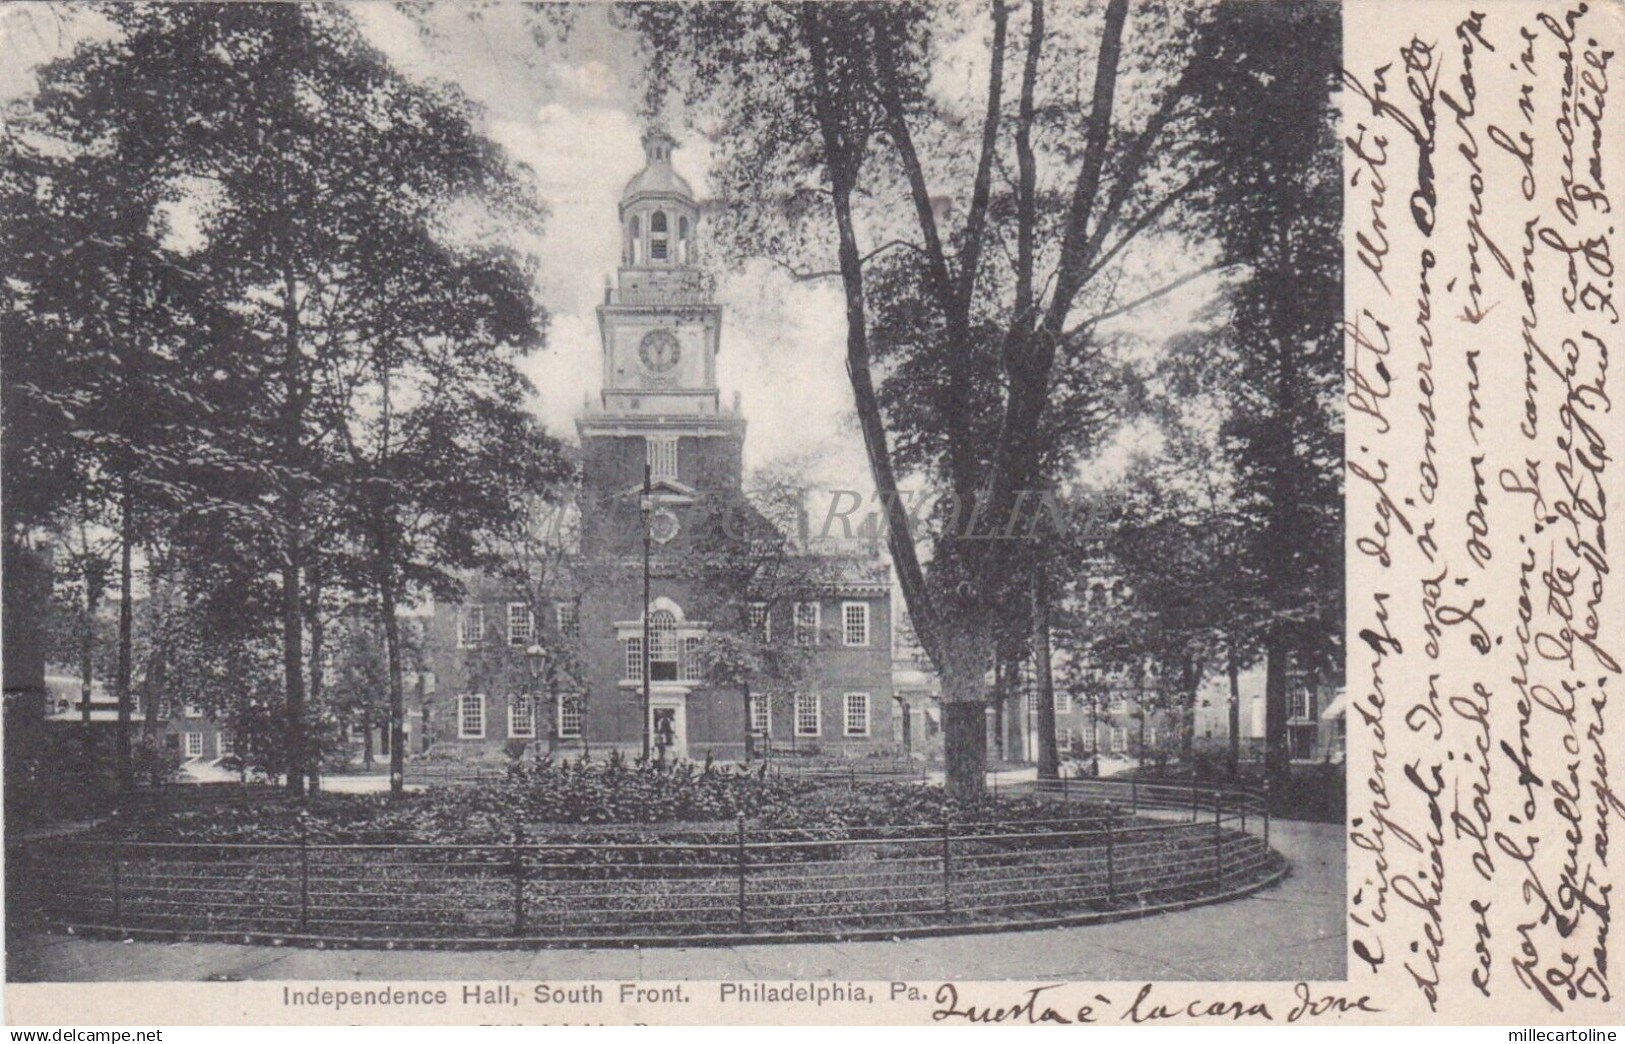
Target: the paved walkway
(1295, 930)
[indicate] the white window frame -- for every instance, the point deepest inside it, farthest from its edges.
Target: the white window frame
(847, 623)
(567, 617)
(514, 704)
(1150, 738)
(1063, 739)
(194, 711)
(569, 708)
(764, 625)
(808, 633)
(847, 707)
(517, 635)
(1298, 705)
(633, 667)
(690, 664)
(193, 744)
(1119, 739)
(1063, 703)
(660, 452)
(761, 716)
(463, 705)
(471, 627)
(805, 699)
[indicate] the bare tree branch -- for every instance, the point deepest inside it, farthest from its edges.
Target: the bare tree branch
(1148, 298)
(803, 276)
(976, 221)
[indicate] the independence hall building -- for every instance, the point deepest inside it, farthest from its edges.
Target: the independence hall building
(660, 413)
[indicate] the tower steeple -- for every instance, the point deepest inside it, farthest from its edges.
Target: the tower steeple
(658, 212)
(660, 327)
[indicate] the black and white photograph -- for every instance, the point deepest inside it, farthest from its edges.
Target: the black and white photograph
(762, 493)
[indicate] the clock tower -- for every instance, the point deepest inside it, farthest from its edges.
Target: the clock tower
(659, 404)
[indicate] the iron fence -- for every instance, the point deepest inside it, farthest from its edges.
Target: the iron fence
(1162, 800)
(848, 770)
(723, 883)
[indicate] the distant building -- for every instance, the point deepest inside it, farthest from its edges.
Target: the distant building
(186, 730)
(1316, 717)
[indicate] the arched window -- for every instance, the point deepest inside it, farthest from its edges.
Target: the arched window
(682, 241)
(634, 242)
(657, 236)
(662, 646)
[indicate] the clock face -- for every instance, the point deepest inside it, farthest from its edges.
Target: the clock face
(663, 526)
(659, 351)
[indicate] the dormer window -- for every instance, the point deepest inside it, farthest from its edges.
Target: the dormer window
(658, 250)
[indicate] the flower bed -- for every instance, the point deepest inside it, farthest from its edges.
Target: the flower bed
(705, 856)
(607, 800)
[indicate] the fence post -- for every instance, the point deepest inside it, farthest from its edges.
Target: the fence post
(1266, 811)
(947, 865)
(304, 870)
(741, 863)
(516, 860)
(1111, 854)
(1218, 838)
(118, 888)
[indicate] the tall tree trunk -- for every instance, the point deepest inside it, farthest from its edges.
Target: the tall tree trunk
(126, 632)
(750, 738)
(1277, 755)
(1049, 761)
(1001, 703)
(87, 646)
(1234, 669)
(1094, 732)
(313, 581)
(964, 747)
(292, 424)
(964, 727)
(1187, 712)
(964, 723)
(397, 696)
(157, 686)
(293, 671)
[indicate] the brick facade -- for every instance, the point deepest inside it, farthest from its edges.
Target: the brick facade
(659, 412)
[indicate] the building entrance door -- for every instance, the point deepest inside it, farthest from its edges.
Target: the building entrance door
(668, 734)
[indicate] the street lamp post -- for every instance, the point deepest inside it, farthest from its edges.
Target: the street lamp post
(536, 668)
(646, 504)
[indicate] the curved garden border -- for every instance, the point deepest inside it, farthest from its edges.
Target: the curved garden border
(1100, 859)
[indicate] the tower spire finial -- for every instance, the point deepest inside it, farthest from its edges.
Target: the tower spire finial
(658, 144)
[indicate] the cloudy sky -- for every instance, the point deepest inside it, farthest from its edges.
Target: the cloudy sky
(569, 111)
